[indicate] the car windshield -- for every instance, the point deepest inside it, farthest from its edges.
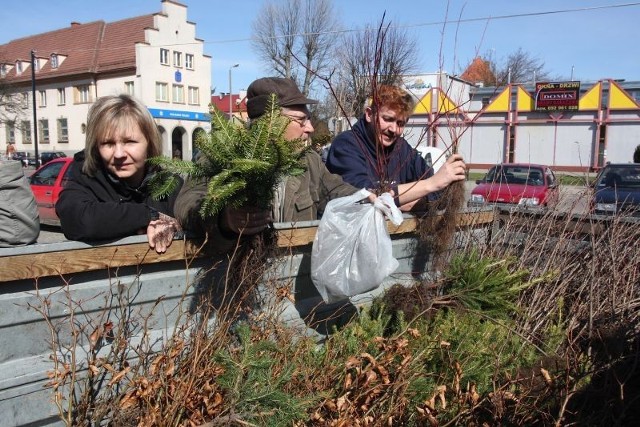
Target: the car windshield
(523, 175)
(620, 176)
(47, 175)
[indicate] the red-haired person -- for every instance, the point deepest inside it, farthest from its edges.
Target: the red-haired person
(374, 153)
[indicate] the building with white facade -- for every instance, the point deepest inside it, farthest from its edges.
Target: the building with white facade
(491, 125)
(156, 58)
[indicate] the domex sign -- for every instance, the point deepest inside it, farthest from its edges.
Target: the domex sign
(179, 115)
(557, 96)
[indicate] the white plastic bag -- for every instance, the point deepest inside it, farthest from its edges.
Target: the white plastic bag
(351, 251)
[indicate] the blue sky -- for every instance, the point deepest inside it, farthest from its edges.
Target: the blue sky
(598, 41)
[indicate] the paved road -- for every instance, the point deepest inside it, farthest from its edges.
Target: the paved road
(574, 199)
(50, 234)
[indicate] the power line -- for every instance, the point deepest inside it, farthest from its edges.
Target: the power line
(425, 24)
(525, 15)
(457, 21)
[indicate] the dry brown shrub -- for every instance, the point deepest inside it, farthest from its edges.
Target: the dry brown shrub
(588, 315)
(372, 390)
(437, 227)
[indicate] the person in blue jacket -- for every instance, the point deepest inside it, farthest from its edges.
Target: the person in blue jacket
(374, 155)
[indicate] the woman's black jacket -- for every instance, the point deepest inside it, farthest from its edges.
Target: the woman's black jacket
(102, 207)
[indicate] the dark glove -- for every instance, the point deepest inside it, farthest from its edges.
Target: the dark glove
(245, 220)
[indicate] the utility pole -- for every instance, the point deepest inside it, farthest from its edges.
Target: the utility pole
(35, 116)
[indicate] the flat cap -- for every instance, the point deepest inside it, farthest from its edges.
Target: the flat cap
(286, 91)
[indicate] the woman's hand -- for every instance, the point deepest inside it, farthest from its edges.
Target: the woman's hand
(160, 232)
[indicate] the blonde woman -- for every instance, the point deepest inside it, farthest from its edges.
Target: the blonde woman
(108, 195)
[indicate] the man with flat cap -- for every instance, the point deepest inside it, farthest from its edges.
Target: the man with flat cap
(297, 198)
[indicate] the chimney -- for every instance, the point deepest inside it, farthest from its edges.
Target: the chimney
(74, 23)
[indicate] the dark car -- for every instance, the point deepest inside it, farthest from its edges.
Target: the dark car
(21, 156)
(47, 156)
(617, 190)
(46, 183)
(32, 161)
(521, 184)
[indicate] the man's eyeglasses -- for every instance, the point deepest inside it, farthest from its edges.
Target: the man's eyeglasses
(302, 121)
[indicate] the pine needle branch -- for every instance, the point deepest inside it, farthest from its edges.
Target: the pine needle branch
(239, 164)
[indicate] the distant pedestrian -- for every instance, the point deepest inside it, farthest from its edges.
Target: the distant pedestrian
(11, 149)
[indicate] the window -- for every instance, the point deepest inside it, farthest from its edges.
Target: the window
(82, 94)
(602, 139)
(43, 127)
(62, 96)
(551, 178)
(43, 98)
(26, 132)
(164, 56)
(36, 64)
(3, 70)
(129, 88)
(161, 92)
(11, 132)
(511, 152)
(178, 94)
(47, 175)
(25, 99)
(194, 95)
(63, 130)
(188, 61)
(54, 61)
(18, 67)
(177, 59)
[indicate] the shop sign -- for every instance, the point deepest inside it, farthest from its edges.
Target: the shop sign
(558, 96)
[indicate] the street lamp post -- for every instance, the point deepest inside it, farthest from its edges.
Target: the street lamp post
(33, 99)
(230, 97)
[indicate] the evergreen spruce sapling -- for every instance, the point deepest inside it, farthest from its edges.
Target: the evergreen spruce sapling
(240, 164)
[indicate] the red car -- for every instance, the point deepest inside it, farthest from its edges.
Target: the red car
(46, 184)
(521, 184)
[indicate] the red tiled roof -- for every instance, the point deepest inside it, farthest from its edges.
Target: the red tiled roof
(478, 71)
(89, 48)
(117, 48)
(222, 103)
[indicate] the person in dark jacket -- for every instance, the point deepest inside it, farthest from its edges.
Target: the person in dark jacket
(108, 194)
(297, 198)
(374, 155)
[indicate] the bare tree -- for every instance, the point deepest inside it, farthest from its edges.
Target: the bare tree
(380, 54)
(295, 38)
(12, 106)
(518, 67)
(521, 67)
